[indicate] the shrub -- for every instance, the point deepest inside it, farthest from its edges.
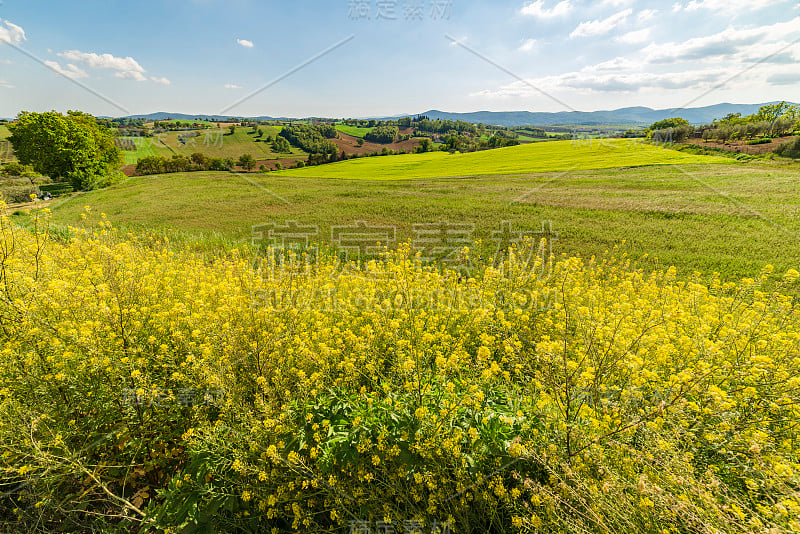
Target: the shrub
(762, 141)
(789, 149)
(19, 194)
(217, 164)
(247, 162)
(14, 168)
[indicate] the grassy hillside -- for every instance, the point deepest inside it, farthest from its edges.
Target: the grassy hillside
(214, 143)
(728, 218)
(536, 157)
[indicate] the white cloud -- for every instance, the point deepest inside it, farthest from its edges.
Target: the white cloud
(785, 78)
(726, 43)
(245, 43)
(5, 84)
(600, 27)
(131, 75)
(537, 9)
(232, 86)
(6, 61)
(528, 45)
(71, 71)
(732, 6)
(635, 37)
(617, 76)
(677, 67)
(126, 68)
(646, 14)
(12, 33)
(162, 81)
(615, 3)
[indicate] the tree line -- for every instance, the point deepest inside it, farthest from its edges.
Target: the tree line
(772, 120)
(312, 139)
(196, 162)
(383, 134)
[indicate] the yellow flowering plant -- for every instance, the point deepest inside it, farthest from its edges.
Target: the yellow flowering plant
(146, 387)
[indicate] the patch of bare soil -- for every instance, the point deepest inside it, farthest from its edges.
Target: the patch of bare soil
(740, 146)
(349, 144)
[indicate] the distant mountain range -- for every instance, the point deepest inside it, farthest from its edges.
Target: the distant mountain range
(163, 115)
(622, 116)
(633, 116)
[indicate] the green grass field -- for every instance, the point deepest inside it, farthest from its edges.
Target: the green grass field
(733, 219)
(353, 130)
(6, 150)
(214, 143)
(535, 157)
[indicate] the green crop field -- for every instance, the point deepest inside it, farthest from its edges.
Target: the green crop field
(353, 130)
(732, 218)
(535, 157)
(145, 146)
(214, 143)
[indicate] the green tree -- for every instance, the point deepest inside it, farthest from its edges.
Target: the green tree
(72, 147)
(232, 129)
(199, 159)
(281, 145)
(772, 112)
(674, 122)
(247, 162)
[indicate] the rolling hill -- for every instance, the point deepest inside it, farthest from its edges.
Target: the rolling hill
(633, 116)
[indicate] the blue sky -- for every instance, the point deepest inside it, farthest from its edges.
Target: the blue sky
(202, 56)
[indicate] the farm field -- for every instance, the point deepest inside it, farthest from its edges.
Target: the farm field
(535, 157)
(355, 131)
(732, 218)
